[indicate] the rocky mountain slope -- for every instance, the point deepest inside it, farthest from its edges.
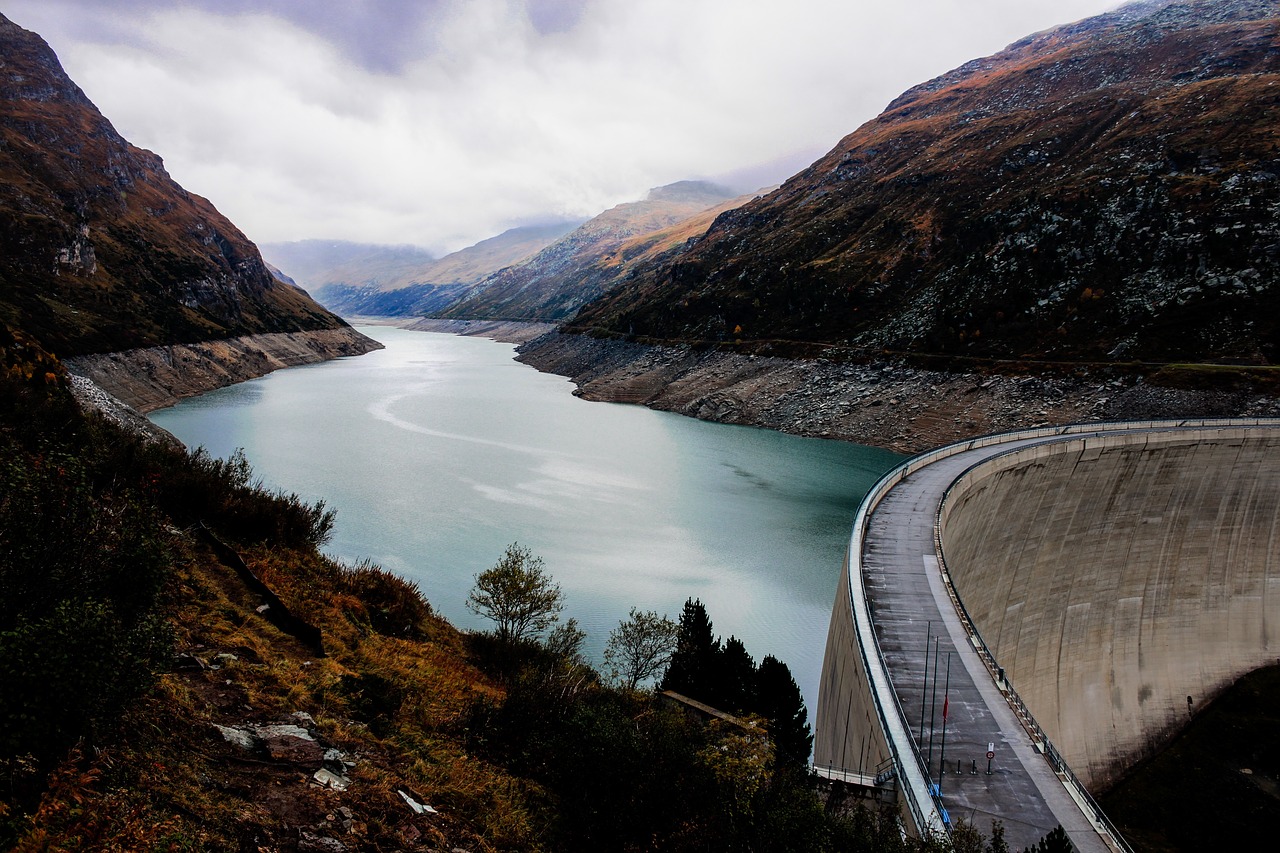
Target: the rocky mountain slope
(100, 250)
(357, 279)
(1105, 191)
(150, 378)
(552, 284)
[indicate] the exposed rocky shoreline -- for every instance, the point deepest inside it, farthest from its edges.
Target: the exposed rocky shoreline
(154, 377)
(507, 331)
(888, 405)
(94, 399)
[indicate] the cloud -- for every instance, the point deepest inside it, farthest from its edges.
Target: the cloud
(378, 34)
(441, 123)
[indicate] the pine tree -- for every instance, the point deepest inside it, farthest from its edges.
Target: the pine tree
(1055, 842)
(693, 666)
(735, 678)
(778, 700)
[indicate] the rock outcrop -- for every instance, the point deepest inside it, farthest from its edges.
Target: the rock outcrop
(92, 398)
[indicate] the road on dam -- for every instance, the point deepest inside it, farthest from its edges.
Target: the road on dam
(908, 683)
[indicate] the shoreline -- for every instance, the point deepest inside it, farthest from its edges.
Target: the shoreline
(885, 404)
(153, 378)
(124, 386)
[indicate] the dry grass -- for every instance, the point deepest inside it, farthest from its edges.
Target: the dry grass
(169, 781)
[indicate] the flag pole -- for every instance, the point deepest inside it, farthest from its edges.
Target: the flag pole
(933, 703)
(924, 685)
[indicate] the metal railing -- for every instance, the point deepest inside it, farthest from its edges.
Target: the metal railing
(1039, 738)
(926, 812)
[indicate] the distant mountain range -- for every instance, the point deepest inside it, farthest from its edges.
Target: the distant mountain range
(355, 278)
(554, 283)
(1108, 190)
(100, 250)
(532, 273)
(320, 263)
(1104, 191)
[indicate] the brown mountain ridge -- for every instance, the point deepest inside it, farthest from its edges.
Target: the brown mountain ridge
(100, 250)
(1108, 190)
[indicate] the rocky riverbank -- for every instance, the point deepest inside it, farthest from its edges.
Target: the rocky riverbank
(155, 377)
(507, 331)
(885, 404)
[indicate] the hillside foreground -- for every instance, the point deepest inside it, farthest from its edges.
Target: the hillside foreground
(185, 670)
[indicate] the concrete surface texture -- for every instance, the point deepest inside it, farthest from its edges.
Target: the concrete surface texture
(1114, 569)
(853, 743)
(1117, 577)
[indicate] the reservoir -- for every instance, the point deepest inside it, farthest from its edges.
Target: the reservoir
(440, 450)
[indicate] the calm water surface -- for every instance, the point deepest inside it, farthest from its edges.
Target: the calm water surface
(440, 450)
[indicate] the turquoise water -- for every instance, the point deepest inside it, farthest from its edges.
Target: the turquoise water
(440, 450)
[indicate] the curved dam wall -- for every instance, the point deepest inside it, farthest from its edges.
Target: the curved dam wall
(1114, 576)
(848, 735)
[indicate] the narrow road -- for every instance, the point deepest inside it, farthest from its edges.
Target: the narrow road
(916, 625)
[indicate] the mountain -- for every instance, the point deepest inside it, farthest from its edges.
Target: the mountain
(1103, 191)
(593, 274)
(100, 250)
(316, 263)
(552, 284)
(395, 280)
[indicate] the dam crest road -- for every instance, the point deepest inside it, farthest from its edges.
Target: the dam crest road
(1050, 597)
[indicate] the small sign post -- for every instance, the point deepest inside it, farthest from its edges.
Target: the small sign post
(991, 753)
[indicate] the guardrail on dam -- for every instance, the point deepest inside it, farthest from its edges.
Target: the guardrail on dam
(1108, 571)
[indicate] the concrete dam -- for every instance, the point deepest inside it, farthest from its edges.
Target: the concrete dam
(1022, 617)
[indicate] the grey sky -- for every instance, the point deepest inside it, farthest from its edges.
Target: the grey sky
(442, 122)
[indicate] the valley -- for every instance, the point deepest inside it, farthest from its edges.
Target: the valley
(1079, 227)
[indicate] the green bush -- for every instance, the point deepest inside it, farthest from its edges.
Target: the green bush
(222, 492)
(69, 673)
(63, 537)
